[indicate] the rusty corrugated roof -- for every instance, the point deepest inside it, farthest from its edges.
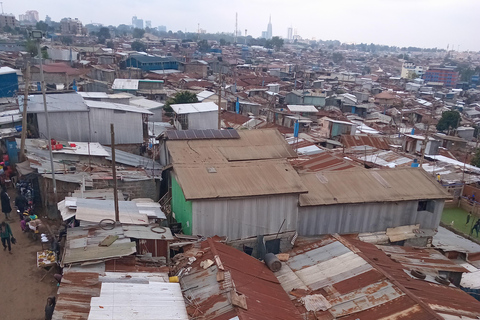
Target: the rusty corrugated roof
(440, 298)
(353, 288)
(324, 161)
(365, 140)
(209, 298)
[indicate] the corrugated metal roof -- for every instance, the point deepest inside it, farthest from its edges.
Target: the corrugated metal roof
(145, 232)
(252, 145)
(364, 140)
(439, 298)
(116, 106)
(302, 108)
(194, 107)
(238, 179)
(7, 70)
(324, 161)
(243, 274)
(132, 160)
(82, 245)
(360, 186)
(153, 300)
(351, 286)
(146, 104)
(125, 84)
(56, 102)
(93, 210)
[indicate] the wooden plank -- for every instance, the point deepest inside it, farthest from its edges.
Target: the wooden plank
(107, 242)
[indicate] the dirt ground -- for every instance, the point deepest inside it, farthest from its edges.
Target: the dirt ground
(22, 295)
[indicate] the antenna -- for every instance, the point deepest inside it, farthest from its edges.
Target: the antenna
(236, 28)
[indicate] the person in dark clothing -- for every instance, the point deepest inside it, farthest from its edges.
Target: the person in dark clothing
(49, 308)
(5, 235)
(21, 202)
(476, 227)
(5, 199)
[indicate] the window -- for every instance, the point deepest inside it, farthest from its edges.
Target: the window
(426, 205)
(183, 119)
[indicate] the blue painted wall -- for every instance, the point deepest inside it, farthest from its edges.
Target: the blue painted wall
(8, 85)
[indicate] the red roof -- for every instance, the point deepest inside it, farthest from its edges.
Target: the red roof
(60, 67)
(364, 140)
(211, 298)
(321, 162)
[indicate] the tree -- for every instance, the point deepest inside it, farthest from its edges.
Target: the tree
(138, 46)
(450, 120)
(476, 159)
(66, 40)
(31, 48)
(203, 46)
(42, 26)
(412, 75)
(110, 45)
(104, 32)
(180, 97)
(138, 33)
(222, 42)
(277, 42)
(337, 57)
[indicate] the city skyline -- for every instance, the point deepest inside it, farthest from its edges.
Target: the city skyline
(420, 23)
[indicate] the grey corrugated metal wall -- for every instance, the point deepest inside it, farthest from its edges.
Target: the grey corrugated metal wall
(242, 218)
(367, 217)
(128, 126)
(69, 126)
(203, 120)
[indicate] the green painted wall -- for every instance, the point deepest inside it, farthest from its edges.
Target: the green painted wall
(181, 207)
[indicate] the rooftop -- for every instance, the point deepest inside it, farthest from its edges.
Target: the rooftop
(360, 186)
(194, 107)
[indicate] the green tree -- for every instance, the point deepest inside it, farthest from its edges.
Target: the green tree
(203, 46)
(41, 25)
(110, 45)
(31, 47)
(138, 46)
(277, 42)
(222, 42)
(412, 75)
(66, 40)
(178, 98)
(138, 33)
(337, 57)
(476, 159)
(104, 32)
(450, 120)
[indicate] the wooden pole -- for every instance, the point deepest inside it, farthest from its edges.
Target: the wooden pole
(114, 172)
(24, 113)
(220, 99)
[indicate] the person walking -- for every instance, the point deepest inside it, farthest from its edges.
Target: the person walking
(5, 199)
(5, 235)
(21, 202)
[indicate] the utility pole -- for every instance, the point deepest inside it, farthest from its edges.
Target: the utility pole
(114, 173)
(220, 98)
(38, 35)
(24, 113)
(236, 28)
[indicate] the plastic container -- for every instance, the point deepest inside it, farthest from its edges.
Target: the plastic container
(73, 145)
(174, 279)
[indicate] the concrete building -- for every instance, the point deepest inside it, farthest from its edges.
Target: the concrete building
(29, 16)
(409, 69)
(137, 23)
(448, 76)
(290, 34)
(71, 26)
(331, 129)
(162, 28)
(269, 29)
(8, 20)
(148, 63)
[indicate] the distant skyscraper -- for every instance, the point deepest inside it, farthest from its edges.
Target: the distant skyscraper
(264, 34)
(148, 23)
(137, 23)
(290, 34)
(269, 29)
(162, 28)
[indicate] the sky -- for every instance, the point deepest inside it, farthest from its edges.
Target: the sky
(419, 23)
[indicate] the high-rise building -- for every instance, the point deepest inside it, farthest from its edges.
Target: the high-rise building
(137, 23)
(264, 34)
(269, 29)
(162, 28)
(29, 16)
(290, 34)
(148, 23)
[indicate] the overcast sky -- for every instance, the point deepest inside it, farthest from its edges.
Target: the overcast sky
(422, 23)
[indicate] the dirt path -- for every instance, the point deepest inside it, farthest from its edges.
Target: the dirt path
(22, 295)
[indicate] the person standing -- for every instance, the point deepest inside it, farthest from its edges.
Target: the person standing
(21, 202)
(49, 308)
(5, 199)
(5, 235)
